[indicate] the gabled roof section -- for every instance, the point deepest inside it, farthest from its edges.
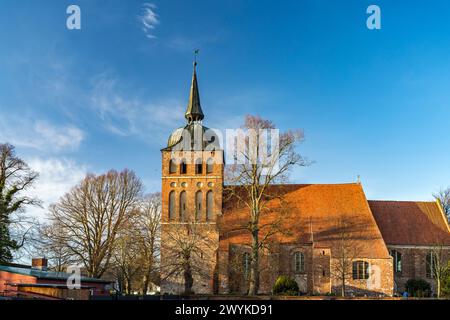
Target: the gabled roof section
(411, 222)
(329, 209)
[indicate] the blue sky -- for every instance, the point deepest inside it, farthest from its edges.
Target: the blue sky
(373, 103)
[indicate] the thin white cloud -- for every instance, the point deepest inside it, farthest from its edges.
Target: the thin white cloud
(56, 177)
(68, 137)
(128, 115)
(39, 134)
(149, 19)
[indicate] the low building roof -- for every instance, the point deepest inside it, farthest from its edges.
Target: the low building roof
(45, 285)
(48, 275)
(411, 222)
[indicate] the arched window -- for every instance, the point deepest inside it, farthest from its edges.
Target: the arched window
(183, 206)
(209, 166)
(299, 262)
(246, 264)
(172, 166)
(172, 205)
(183, 167)
(431, 265)
(198, 166)
(360, 270)
(198, 205)
(397, 259)
(209, 205)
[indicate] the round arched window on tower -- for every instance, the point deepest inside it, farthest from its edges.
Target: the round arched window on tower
(209, 205)
(209, 166)
(183, 166)
(198, 166)
(182, 206)
(198, 205)
(172, 205)
(173, 166)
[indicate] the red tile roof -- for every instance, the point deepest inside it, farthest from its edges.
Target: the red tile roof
(323, 206)
(411, 223)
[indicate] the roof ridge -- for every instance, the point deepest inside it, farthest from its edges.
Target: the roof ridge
(314, 184)
(404, 201)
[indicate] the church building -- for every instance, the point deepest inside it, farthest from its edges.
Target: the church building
(333, 232)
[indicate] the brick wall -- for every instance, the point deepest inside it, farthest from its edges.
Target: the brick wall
(380, 282)
(413, 265)
(280, 261)
(192, 182)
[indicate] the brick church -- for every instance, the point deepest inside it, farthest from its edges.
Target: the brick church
(385, 243)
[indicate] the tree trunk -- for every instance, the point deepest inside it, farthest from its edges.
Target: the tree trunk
(145, 284)
(147, 276)
(119, 284)
(128, 285)
(188, 280)
(343, 286)
(254, 265)
(438, 289)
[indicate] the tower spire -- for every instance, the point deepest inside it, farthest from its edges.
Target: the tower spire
(194, 110)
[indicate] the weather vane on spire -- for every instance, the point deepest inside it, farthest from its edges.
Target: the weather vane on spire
(196, 51)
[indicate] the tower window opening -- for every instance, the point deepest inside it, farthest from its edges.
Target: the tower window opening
(209, 205)
(198, 166)
(183, 167)
(209, 166)
(172, 205)
(198, 205)
(172, 166)
(183, 206)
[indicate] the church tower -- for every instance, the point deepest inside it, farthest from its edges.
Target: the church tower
(192, 185)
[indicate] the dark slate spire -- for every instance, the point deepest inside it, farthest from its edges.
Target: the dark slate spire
(194, 109)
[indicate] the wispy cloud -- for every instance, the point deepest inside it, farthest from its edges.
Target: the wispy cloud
(149, 19)
(68, 137)
(56, 177)
(39, 134)
(125, 114)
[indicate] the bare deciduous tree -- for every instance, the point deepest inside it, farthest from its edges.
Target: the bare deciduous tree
(261, 164)
(347, 251)
(438, 265)
(187, 248)
(50, 243)
(16, 177)
(148, 238)
(125, 257)
(92, 215)
(443, 196)
(135, 258)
